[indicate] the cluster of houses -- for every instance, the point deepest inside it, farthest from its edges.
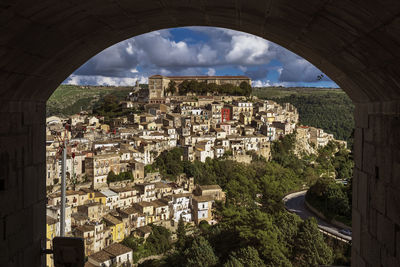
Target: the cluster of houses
(106, 216)
(104, 212)
(205, 127)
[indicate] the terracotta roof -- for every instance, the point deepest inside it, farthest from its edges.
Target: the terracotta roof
(79, 217)
(50, 220)
(85, 228)
(111, 219)
(144, 229)
(181, 195)
(98, 194)
(67, 193)
(202, 198)
(144, 204)
(130, 210)
(101, 256)
(117, 249)
(210, 187)
(161, 185)
(123, 189)
(86, 190)
(159, 203)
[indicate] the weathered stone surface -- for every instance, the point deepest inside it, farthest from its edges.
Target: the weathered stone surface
(393, 205)
(356, 227)
(356, 43)
(386, 234)
(23, 170)
(370, 249)
(363, 197)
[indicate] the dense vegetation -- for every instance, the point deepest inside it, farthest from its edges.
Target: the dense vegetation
(332, 199)
(158, 242)
(253, 225)
(108, 107)
(202, 88)
(112, 177)
(329, 109)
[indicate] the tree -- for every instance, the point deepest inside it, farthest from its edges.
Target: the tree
(248, 257)
(131, 242)
(204, 226)
(171, 89)
(310, 248)
(159, 240)
(180, 234)
(200, 254)
(246, 88)
(233, 262)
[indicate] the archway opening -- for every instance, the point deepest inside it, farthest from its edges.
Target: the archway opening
(355, 43)
(216, 62)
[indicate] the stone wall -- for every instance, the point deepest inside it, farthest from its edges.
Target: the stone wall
(22, 183)
(376, 185)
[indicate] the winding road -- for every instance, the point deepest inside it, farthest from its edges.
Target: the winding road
(295, 203)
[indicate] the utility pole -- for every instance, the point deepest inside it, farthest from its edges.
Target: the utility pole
(63, 170)
(73, 181)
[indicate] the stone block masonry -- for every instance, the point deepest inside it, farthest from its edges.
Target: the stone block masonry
(22, 187)
(376, 212)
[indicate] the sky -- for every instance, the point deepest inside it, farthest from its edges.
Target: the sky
(198, 51)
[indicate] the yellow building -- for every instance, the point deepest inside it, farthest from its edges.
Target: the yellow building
(105, 127)
(245, 118)
(270, 116)
(147, 209)
(116, 226)
(99, 197)
(51, 232)
(89, 193)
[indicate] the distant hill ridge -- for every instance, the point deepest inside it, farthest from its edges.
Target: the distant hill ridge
(69, 99)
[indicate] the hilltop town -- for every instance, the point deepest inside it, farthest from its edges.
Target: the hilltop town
(112, 195)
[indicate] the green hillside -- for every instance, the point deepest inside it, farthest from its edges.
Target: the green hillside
(70, 99)
(278, 92)
(329, 109)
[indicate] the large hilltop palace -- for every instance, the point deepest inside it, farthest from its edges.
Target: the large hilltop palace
(158, 83)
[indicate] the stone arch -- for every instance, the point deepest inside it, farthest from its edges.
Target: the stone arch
(356, 43)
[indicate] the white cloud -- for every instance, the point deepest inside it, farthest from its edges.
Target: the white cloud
(243, 68)
(260, 83)
(158, 53)
(103, 80)
(211, 72)
(248, 49)
(129, 49)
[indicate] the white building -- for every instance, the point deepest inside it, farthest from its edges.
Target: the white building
(55, 211)
(180, 207)
(114, 255)
(112, 198)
